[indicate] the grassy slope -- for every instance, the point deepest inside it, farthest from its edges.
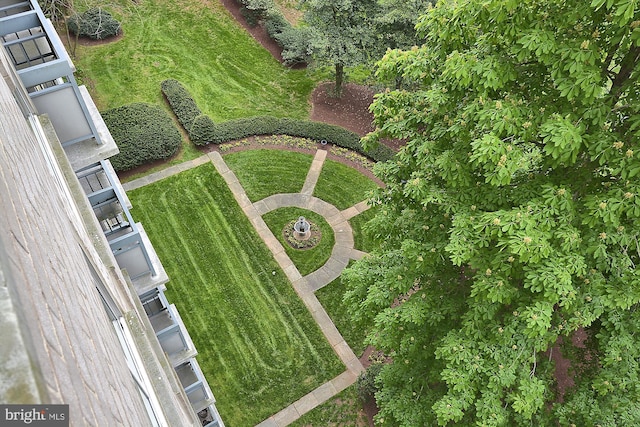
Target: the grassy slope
(306, 260)
(341, 185)
(266, 172)
(258, 346)
(228, 73)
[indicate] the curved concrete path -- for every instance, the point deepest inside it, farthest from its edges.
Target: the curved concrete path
(342, 252)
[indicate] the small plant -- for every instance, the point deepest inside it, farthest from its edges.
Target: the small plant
(366, 383)
(96, 23)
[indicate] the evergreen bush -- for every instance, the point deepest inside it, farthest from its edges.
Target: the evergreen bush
(143, 132)
(96, 23)
(181, 102)
(366, 382)
(295, 43)
(275, 23)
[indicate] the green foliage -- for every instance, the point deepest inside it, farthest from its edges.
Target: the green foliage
(293, 40)
(395, 23)
(203, 130)
(239, 314)
(242, 128)
(143, 132)
(510, 219)
(342, 32)
(181, 102)
(295, 44)
(96, 23)
(275, 23)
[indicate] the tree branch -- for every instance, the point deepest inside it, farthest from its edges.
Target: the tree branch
(627, 66)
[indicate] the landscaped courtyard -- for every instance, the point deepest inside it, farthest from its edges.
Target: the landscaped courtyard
(258, 345)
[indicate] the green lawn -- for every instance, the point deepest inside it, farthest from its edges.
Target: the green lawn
(306, 260)
(265, 172)
(258, 346)
(341, 185)
(199, 43)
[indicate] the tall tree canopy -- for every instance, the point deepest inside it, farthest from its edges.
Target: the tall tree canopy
(510, 219)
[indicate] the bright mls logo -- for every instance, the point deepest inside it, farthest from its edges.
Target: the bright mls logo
(34, 415)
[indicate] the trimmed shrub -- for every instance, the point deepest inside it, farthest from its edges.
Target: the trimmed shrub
(203, 130)
(143, 132)
(242, 128)
(96, 23)
(251, 16)
(295, 42)
(275, 23)
(181, 102)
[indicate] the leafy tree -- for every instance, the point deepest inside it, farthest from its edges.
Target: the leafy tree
(341, 32)
(510, 220)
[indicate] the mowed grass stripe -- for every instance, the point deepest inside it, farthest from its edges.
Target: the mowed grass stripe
(258, 346)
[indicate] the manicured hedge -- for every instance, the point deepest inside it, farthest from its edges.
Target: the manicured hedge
(144, 133)
(202, 130)
(181, 102)
(95, 23)
(267, 125)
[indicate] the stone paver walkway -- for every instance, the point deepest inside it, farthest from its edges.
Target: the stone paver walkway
(343, 251)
